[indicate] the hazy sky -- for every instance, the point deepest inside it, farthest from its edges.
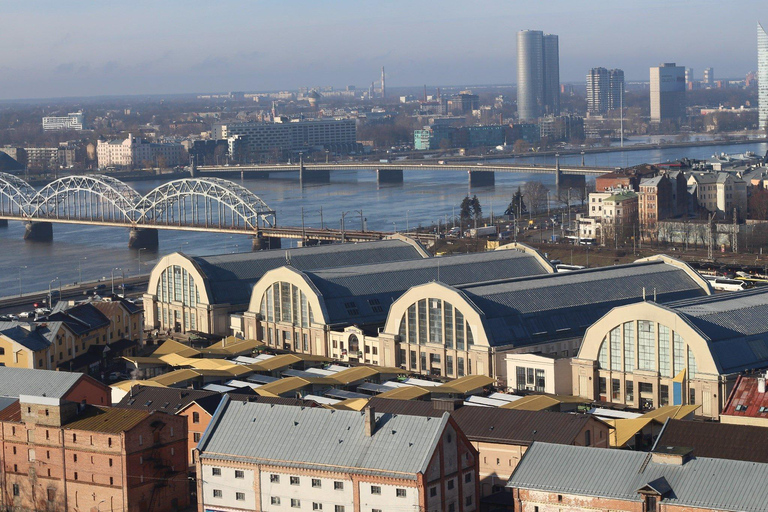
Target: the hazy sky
(53, 48)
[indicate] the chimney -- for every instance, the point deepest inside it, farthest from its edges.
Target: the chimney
(370, 421)
(761, 384)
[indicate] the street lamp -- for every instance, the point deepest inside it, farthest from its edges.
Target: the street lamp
(141, 249)
(362, 220)
(113, 278)
(406, 221)
(80, 269)
(20, 269)
(182, 245)
(50, 293)
(343, 215)
(394, 227)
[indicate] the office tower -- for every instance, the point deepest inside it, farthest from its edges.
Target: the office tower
(709, 76)
(688, 76)
(762, 77)
(667, 92)
(383, 85)
(538, 74)
(615, 88)
(604, 89)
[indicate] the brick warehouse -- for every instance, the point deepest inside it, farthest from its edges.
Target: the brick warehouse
(64, 456)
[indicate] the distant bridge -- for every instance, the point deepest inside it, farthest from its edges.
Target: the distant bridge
(193, 204)
(480, 173)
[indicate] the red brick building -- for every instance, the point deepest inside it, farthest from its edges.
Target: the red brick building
(68, 386)
(65, 456)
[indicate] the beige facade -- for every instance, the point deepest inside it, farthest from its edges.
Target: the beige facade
(539, 372)
(634, 355)
(720, 192)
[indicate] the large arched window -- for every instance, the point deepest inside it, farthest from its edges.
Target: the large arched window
(284, 302)
(654, 343)
(435, 321)
(177, 285)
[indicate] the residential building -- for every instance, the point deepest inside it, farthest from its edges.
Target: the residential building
(562, 128)
(251, 140)
(72, 121)
(655, 203)
(604, 90)
(616, 210)
(719, 193)
(667, 92)
(762, 77)
(747, 403)
(463, 103)
(62, 339)
(562, 477)
(688, 77)
(538, 75)
(502, 436)
(541, 373)
(267, 457)
(716, 440)
(709, 73)
(62, 455)
(136, 152)
(627, 178)
(68, 386)
(199, 293)
(647, 355)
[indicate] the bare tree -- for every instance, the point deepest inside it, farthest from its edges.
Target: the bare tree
(536, 194)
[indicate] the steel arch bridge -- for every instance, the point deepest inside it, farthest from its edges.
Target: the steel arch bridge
(201, 204)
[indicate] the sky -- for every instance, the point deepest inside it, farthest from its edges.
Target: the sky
(55, 48)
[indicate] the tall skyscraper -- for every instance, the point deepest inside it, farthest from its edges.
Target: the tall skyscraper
(762, 77)
(688, 76)
(383, 85)
(538, 74)
(604, 89)
(709, 76)
(667, 92)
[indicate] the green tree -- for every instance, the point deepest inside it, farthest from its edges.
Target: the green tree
(477, 210)
(466, 208)
(517, 205)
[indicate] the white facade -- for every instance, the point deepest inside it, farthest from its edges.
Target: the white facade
(228, 488)
(72, 121)
(136, 152)
(762, 77)
(667, 92)
(540, 373)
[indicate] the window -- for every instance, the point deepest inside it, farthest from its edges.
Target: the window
(646, 388)
(275, 479)
(216, 471)
(615, 389)
(375, 489)
(629, 391)
(15, 489)
(338, 508)
(240, 496)
(239, 473)
(316, 483)
(468, 501)
(664, 347)
(601, 385)
(692, 397)
(400, 493)
(629, 346)
(295, 480)
(295, 503)
(646, 349)
(217, 493)
(196, 437)
(615, 336)
(433, 491)
(338, 486)
(195, 417)
(588, 438)
(663, 395)
(317, 506)
(274, 500)
(450, 483)
(468, 478)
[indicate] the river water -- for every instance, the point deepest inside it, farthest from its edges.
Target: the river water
(424, 198)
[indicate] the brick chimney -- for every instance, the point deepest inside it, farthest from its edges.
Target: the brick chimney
(369, 414)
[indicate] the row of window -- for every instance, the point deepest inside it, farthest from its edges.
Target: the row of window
(177, 285)
(654, 342)
(435, 321)
(435, 363)
(284, 302)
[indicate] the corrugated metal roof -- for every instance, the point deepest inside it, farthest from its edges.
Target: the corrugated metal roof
(401, 445)
(25, 381)
(746, 399)
(32, 335)
(108, 419)
(232, 276)
(369, 289)
(170, 400)
(701, 482)
(559, 306)
(519, 427)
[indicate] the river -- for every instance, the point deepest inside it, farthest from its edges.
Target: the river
(423, 198)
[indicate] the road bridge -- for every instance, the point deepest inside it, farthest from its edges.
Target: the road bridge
(210, 205)
(479, 173)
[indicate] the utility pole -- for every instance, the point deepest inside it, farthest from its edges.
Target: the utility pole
(322, 224)
(362, 220)
(710, 224)
(303, 229)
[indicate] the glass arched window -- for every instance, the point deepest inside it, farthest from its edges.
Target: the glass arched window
(177, 285)
(284, 302)
(435, 321)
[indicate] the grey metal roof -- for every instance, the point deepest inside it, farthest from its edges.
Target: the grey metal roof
(32, 335)
(25, 381)
(318, 438)
(369, 286)
(6, 401)
(735, 326)
(718, 484)
(231, 277)
(527, 310)
(81, 318)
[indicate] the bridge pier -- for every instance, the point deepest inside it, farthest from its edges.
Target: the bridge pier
(315, 176)
(389, 175)
(481, 178)
(261, 242)
(143, 238)
(39, 232)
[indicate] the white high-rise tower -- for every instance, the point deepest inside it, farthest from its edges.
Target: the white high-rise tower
(762, 77)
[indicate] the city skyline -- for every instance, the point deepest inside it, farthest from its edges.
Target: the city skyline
(184, 48)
